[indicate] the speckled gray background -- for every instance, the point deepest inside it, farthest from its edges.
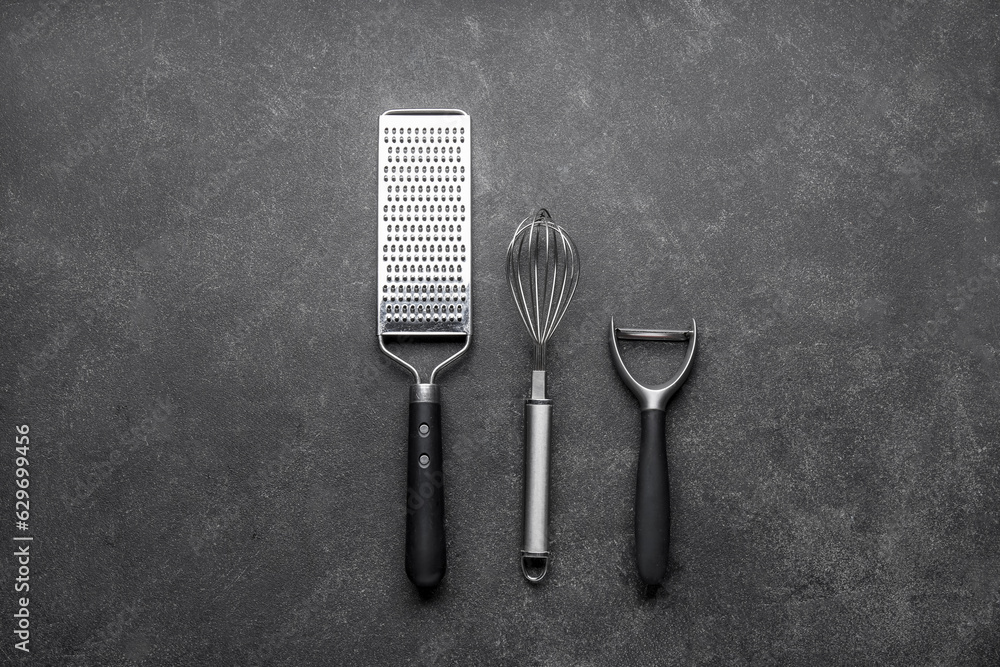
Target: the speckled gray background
(187, 255)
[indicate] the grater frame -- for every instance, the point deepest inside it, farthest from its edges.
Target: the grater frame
(424, 232)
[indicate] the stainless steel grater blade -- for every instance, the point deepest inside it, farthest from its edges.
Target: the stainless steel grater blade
(425, 290)
(424, 232)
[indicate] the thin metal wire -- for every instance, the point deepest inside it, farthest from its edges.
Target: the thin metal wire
(540, 241)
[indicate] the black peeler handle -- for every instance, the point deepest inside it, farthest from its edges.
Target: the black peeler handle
(425, 542)
(652, 499)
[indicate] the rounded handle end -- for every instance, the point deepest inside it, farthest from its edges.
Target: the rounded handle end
(425, 577)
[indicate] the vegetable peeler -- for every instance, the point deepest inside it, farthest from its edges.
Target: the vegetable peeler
(652, 490)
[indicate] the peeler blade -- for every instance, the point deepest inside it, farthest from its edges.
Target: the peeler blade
(677, 335)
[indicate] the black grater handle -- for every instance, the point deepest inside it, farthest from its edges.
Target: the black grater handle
(425, 543)
(652, 499)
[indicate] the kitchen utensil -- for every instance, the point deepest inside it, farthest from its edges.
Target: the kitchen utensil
(652, 490)
(543, 268)
(425, 293)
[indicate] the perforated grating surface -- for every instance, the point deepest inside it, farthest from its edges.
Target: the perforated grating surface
(424, 222)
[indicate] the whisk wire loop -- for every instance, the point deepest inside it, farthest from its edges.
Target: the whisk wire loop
(543, 268)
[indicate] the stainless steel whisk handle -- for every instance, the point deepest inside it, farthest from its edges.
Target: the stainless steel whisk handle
(537, 439)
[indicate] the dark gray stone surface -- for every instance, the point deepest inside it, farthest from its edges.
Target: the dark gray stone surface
(188, 266)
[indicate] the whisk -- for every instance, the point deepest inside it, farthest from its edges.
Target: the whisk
(543, 268)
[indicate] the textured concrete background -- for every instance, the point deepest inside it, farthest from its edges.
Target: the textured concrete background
(188, 271)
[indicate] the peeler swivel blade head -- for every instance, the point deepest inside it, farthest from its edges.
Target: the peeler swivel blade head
(656, 397)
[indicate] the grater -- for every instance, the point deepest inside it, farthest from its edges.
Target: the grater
(425, 293)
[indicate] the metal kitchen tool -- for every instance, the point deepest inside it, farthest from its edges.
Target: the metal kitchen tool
(543, 267)
(425, 293)
(652, 490)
